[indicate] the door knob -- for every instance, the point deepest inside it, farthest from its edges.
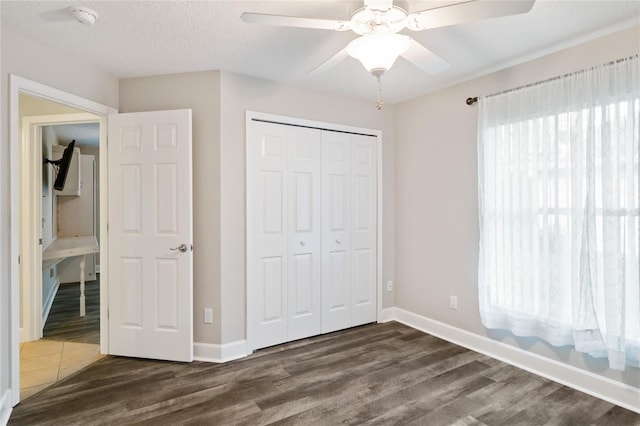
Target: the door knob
(338, 241)
(302, 243)
(182, 248)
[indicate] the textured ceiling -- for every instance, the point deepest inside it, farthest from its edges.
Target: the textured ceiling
(137, 38)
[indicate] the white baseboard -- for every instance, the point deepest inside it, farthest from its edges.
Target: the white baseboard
(5, 407)
(208, 352)
(387, 314)
(593, 384)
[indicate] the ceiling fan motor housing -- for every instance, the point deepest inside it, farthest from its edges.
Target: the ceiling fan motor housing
(366, 20)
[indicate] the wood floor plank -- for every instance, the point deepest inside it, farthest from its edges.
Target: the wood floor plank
(380, 374)
(64, 322)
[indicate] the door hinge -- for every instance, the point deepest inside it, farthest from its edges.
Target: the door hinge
(40, 241)
(18, 259)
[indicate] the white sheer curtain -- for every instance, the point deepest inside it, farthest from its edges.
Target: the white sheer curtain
(559, 204)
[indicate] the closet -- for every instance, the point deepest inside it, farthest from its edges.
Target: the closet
(311, 230)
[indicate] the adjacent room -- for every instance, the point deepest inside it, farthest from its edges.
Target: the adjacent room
(58, 336)
(320, 212)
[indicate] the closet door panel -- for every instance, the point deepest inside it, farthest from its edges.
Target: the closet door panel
(270, 290)
(267, 267)
(336, 203)
(304, 232)
(338, 284)
(363, 231)
(361, 277)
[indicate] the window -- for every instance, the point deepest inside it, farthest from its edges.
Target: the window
(559, 206)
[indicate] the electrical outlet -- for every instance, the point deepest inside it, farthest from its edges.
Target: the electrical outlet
(389, 285)
(208, 316)
(453, 302)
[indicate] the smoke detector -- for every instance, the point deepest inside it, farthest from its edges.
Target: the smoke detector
(84, 15)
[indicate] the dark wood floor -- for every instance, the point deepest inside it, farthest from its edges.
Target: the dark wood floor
(65, 323)
(377, 374)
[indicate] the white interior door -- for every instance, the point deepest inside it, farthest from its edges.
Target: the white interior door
(304, 232)
(349, 230)
(150, 235)
(284, 233)
(363, 229)
(336, 240)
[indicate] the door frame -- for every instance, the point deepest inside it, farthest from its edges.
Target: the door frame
(286, 120)
(19, 85)
(30, 205)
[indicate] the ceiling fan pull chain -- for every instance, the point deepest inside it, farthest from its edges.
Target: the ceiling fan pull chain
(380, 101)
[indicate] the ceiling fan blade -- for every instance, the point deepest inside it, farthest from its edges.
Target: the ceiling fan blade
(293, 21)
(425, 59)
(381, 5)
(468, 11)
(329, 63)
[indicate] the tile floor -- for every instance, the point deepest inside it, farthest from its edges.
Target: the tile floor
(43, 362)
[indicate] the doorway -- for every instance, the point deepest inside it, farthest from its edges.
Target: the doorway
(57, 339)
(23, 91)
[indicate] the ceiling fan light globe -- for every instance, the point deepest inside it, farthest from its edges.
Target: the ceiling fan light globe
(378, 51)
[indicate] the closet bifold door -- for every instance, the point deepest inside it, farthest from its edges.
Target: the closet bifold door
(349, 223)
(283, 233)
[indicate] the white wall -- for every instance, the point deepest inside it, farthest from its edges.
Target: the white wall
(42, 64)
(436, 196)
(241, 93)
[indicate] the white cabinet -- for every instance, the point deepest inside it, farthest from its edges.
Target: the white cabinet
(311, 231)
(77, 217)
(72, 183)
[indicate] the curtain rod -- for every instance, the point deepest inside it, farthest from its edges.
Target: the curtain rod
(471, 101)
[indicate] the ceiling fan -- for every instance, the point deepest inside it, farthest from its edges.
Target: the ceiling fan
(379, 22)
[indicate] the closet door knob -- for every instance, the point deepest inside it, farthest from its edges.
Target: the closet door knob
(302, 243)
(338, 241)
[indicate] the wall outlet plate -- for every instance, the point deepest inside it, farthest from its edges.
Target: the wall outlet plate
(208, 316)
(453, 302)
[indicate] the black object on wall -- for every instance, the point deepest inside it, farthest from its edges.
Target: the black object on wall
(62, 166)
